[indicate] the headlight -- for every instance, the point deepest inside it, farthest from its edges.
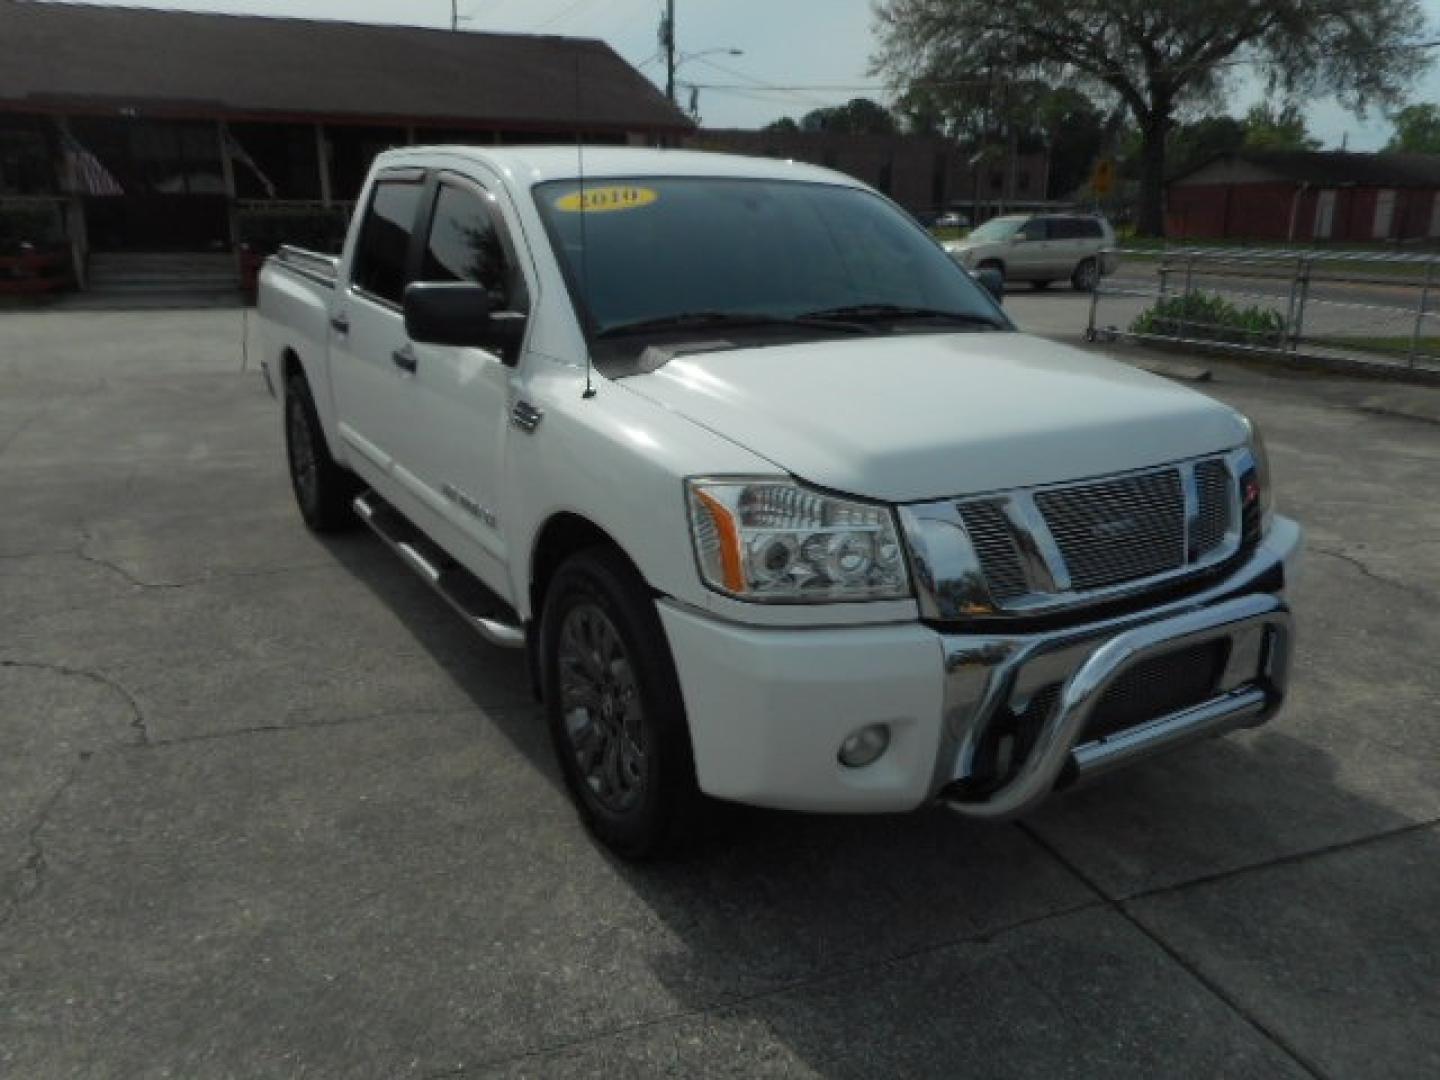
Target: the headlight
(1257, 488)
(777, 541)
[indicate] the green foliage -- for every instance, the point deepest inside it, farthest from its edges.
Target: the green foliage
(1208, 317)
(1417, 130)
(264, 229)
(1284, 128)
(1196, 142)
(858, 116)
(35, 224)
(1153, 58)
(786, 125)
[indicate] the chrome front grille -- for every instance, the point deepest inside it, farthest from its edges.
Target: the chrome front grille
(1029, 551)
(1118, 530)
(995, 548)
(1215, 493)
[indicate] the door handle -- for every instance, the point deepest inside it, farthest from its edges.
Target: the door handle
(340, 324)
(404, 358)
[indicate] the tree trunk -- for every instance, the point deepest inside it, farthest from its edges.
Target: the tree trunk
(1151, 218)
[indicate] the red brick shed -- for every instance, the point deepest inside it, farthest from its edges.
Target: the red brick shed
(1306, 196)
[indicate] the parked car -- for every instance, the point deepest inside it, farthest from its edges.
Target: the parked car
(952, 219)
(781, 506)
(1040, 248)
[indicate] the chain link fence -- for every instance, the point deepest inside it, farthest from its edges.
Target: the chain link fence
(1371, 307)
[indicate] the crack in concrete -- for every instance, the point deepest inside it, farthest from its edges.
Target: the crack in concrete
(311, 725)
(81, 552)
(737, 1001)
(33, 869)
(1415, 591)
(1120, 908)
(137, 714)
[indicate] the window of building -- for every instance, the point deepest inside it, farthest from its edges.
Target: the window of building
(465, 243)
(384, 245)
(27, 166)
(1325, 215)
(1384, 213)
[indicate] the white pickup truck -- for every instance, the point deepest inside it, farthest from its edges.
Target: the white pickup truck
(783, 507)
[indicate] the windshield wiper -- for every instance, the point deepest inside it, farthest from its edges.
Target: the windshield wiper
(891, 312)
(688, 320)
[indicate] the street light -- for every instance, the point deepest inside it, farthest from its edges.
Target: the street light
(683, 58)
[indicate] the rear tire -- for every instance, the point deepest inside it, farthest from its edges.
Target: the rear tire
(323, 489)
(1086, 276)
(614, 708)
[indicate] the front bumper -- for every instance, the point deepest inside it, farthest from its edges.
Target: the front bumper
(769, 708)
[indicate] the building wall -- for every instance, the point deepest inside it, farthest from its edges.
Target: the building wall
(1262, 211)
(919, 172)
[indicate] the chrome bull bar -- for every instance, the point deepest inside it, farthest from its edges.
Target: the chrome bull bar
(1258, 625)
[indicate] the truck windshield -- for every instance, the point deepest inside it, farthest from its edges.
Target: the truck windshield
(676, 250)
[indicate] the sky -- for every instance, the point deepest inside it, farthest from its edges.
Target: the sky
(784, 43)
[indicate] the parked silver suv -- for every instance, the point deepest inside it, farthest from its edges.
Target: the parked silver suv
(1040, 248)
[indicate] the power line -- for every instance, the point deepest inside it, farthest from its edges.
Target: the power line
(797, 88)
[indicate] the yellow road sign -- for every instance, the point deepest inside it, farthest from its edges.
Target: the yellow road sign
(1102, 180)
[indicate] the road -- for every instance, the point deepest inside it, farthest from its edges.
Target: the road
(267, 808)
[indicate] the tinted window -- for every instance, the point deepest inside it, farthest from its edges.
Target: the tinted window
(656, 247)
(464, 244)
(1074, 228)
(1034, 229)
(380, 258)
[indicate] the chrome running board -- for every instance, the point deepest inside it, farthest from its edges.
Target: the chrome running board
(487, 614)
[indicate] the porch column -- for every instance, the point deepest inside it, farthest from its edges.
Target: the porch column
(323, 156)
(227, 172)
(74, 213)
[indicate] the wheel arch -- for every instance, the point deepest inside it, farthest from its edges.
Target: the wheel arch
(561, 535)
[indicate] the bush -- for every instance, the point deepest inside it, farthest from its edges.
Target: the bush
(1206, 316)
(264, 229)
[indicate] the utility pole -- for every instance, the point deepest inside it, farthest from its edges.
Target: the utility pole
(667, 42)
(454, 15)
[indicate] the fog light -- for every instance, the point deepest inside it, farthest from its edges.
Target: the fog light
(862, 747)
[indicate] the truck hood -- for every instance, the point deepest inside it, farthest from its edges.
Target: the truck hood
(923, 416)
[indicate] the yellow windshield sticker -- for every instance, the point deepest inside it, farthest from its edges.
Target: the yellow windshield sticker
(600, 200)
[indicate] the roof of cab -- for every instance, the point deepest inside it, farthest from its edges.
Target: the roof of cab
(534, 164)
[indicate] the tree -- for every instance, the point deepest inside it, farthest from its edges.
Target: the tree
(859, 116)
(1156, 57)
(1417, 130)
(1277, 129)
(1073, 131)
(785, 126)
(1197, 141)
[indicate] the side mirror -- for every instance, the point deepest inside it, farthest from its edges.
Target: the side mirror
(458, 313)
(994, 282)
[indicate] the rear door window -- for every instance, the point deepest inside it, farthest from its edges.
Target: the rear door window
(383, 251)
(1035, 229)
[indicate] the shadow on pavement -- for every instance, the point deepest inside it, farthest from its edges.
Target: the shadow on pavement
(863, 946)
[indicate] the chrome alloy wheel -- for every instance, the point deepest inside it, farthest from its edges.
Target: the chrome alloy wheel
(304, 469)
(601, 705)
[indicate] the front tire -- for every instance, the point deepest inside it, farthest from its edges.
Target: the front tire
(323, 488)
(614, 708)
(1040, 285)
(993, 264)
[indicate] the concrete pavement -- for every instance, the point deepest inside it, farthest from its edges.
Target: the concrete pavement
(268, 809)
